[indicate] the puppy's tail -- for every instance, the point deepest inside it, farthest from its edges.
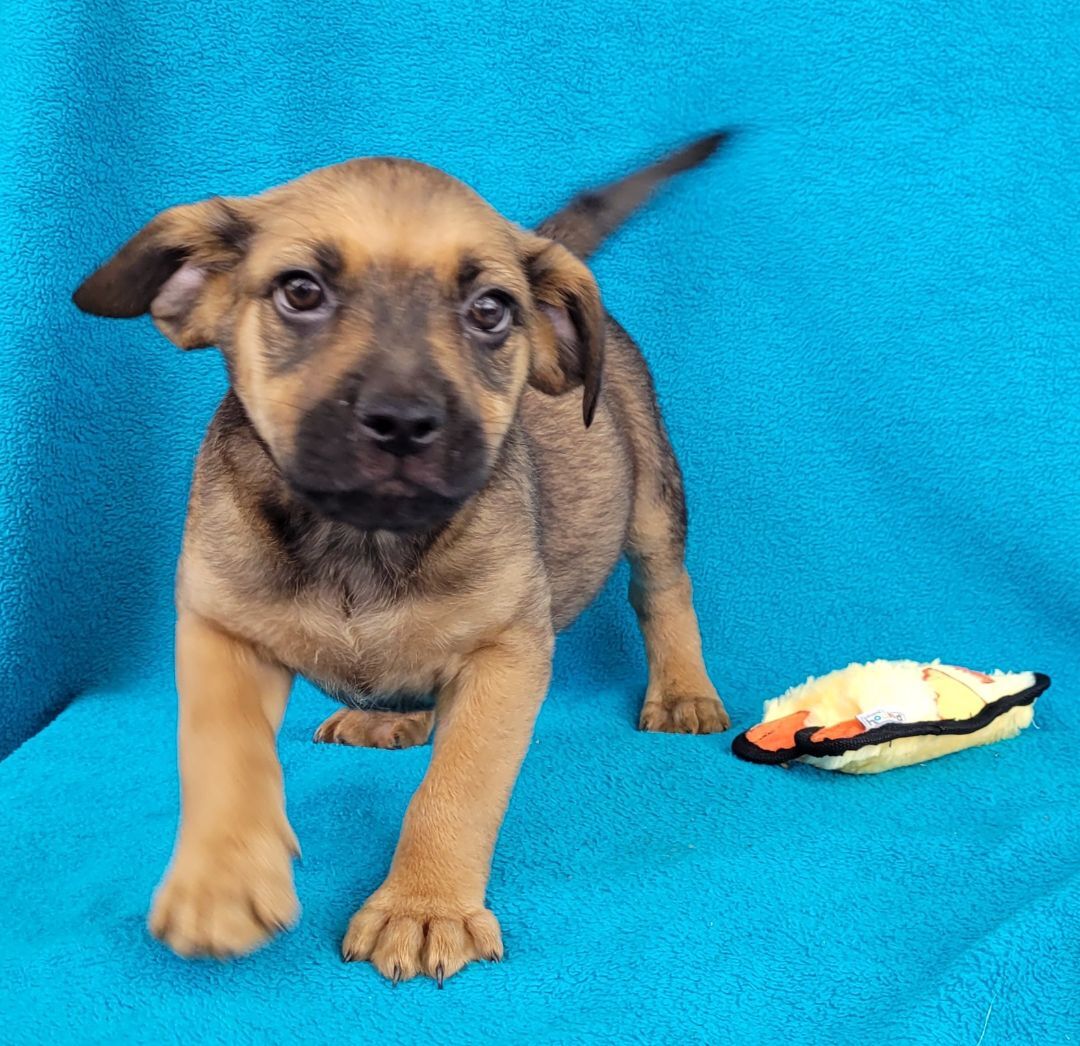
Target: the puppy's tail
(590, 217)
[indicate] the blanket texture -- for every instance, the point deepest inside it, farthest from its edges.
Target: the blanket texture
(862, 318)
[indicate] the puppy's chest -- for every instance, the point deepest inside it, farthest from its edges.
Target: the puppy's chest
(354, 648)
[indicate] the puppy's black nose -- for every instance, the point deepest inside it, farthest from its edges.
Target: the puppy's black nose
(402, 426)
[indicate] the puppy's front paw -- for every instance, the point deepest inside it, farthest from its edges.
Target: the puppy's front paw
(403, 936)
(227, 897)
(371, 729)
(669, 713)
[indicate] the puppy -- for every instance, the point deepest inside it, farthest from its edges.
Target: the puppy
(434, 448)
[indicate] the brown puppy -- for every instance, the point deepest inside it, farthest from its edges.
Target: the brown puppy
(413, 483)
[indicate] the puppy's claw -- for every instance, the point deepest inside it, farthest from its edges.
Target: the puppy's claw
(395, 980)
(440, 973)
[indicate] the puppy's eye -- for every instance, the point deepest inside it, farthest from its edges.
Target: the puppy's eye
(299, 292)
(489, 314)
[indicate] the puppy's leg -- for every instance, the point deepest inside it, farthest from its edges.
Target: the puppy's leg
(680, 699)
(229, 886)
(429, 915)
(369, 728)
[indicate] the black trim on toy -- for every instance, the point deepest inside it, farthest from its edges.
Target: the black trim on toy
(745, 749)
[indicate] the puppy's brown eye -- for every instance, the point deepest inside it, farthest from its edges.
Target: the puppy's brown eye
(489, 314)
(299, 292)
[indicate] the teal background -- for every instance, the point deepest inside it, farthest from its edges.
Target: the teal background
(863, 323)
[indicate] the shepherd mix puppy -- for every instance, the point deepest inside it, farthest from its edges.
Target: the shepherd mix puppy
(434, 448)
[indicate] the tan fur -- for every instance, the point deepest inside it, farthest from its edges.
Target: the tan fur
(429, 915)
(364, 728)
(230, 883)
(466, 609)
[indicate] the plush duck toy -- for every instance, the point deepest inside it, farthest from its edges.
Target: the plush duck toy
(868, 718)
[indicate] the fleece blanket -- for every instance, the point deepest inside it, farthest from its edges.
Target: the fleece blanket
(862, 319)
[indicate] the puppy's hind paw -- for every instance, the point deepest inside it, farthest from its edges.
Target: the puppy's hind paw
(684, 714)
(374, 729)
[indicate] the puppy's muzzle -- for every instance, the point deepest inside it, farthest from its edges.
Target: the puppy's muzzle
(389, 460)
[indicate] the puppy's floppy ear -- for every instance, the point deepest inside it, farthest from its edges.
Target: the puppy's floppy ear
(569, 348)
(168, 269)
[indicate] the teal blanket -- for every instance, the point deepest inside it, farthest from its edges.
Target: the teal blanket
(863, 322)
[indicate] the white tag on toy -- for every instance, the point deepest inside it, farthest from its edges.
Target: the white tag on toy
(880, 717)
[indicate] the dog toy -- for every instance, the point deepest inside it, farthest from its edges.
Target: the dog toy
(864, 719)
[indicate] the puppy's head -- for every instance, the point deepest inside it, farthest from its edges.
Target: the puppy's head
(379, 321)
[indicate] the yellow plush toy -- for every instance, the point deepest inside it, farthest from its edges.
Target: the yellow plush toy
(868, 718)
